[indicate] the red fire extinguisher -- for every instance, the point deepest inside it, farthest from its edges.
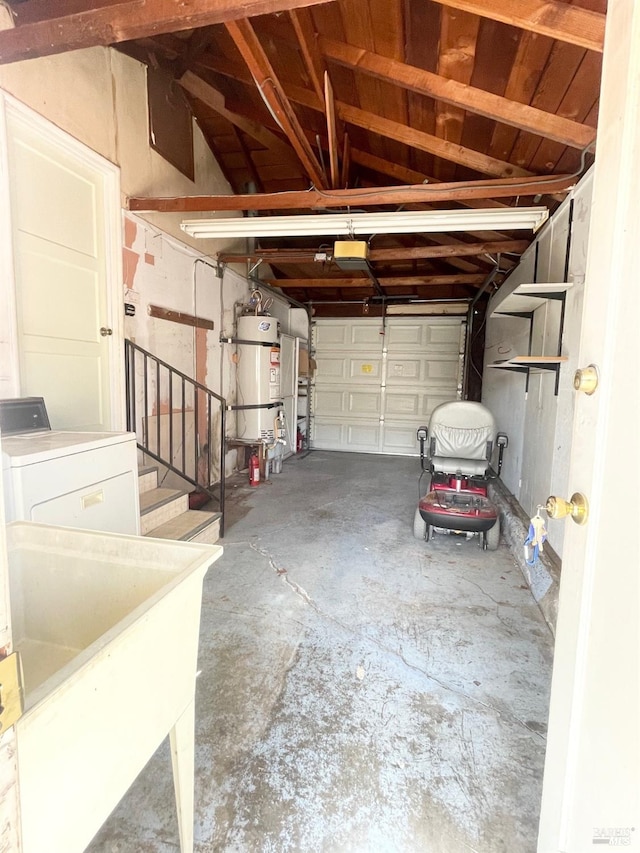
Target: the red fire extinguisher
(299, 441)
(254, 470)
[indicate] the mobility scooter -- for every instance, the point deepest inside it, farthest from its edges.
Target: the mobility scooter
(455, 455)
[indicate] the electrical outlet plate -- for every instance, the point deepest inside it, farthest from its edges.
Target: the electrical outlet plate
(11, 691)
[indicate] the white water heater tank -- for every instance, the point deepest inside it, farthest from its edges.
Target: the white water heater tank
(258, 398)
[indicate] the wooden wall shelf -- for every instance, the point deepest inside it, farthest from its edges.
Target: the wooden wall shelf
(522, 302)
(527, 297)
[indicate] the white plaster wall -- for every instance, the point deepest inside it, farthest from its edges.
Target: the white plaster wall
(163, 272)
(538, 422)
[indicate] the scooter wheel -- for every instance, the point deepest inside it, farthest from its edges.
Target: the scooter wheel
(419, 526)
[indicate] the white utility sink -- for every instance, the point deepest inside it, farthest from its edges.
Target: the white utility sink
(107, 626)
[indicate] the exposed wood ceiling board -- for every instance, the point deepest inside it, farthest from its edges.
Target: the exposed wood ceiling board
(261, 69)
(111, 24)
(491, 74)
(374, 95)
(476, 98)
(567, 158)
(496, 52)
(440, 147)
(389, 32)
(570, 24)
(563, 63)
(422, 36)
(576, 103)
(458, 38)
(528, 67)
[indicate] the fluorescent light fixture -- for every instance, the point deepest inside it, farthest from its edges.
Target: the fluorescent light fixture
(350, 224)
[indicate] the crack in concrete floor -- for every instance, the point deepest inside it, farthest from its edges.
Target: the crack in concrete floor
(299, 591)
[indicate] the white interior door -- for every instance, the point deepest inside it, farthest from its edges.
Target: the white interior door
(62, 224)
(591, 793)
(289, 389)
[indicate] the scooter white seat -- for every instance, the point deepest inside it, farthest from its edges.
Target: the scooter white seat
(461, 437)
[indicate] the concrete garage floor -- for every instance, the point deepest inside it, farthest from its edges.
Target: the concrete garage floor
(360, 690)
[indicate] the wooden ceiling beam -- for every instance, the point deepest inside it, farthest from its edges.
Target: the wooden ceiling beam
(474, 160)
(314, 199)
(383, 127)
(269, 86)
(400, 253)
(349, 283)
(561, 21)
(449, 91)
(76, 24)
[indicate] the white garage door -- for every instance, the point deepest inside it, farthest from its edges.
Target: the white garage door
(372, 391)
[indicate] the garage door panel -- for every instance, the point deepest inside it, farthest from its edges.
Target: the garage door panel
(350, 436)
(430, 401)
(442, 371)
(347, 402)
(400, 438)
(375, 401)
(330, 401)
(404, 370)
(431, 337)
(418, 372)
(407, 405)
(367, 335)
(360, 369)
(327, 435)
(442, 338)
(365, 403)
(333, 335)
(407, 336)
(331, 369)
(366, 368)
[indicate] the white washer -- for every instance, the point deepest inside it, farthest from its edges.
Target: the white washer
(72, 479)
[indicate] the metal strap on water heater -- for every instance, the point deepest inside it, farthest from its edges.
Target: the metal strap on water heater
(249, 343)
(232, 408)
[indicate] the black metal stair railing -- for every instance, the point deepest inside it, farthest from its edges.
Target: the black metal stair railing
(178, 422)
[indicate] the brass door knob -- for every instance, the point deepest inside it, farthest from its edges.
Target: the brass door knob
(577, 508)
(586, 379)
(105, 331)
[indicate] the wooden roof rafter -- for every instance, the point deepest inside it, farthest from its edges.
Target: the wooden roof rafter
(271, 90)
(467, 97)
(557, 20)
(57, 27)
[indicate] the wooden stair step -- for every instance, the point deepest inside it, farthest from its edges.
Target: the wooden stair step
(185, 526)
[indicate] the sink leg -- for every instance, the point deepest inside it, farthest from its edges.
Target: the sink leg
(182, 759)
